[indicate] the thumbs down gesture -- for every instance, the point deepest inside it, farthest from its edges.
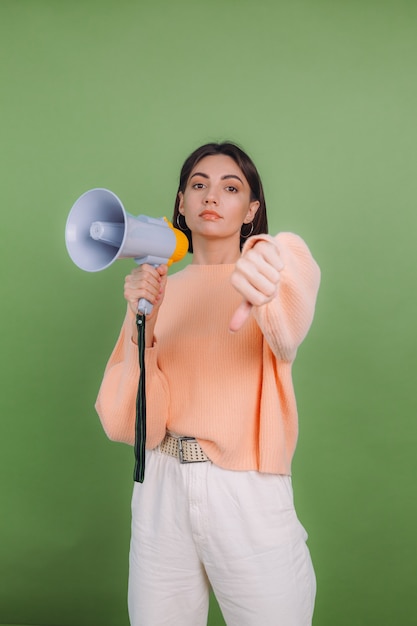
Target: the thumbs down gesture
(256, 277)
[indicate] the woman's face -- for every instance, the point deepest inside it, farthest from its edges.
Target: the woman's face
(216, 200)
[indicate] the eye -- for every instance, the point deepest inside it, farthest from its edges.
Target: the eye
(198, 186)
(232, 189)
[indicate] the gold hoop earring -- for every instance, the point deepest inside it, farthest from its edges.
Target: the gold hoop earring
(249, 233)
(178, 223)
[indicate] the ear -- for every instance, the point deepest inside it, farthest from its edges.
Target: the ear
(181, 202)
(253, 207)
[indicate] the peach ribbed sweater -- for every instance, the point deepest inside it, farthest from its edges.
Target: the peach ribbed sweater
(233, 392)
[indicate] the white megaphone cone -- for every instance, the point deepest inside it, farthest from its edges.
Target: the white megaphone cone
(99, 231)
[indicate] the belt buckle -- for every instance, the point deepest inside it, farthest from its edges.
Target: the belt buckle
(180, 441)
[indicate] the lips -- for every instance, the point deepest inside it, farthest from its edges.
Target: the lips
(210, 215)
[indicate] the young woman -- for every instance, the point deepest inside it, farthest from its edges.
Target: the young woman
(216, 506)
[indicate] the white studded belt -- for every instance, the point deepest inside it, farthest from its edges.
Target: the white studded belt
(185, 449)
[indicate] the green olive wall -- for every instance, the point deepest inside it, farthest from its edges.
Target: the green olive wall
(323, 95)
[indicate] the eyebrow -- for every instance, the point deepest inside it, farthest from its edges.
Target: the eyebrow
(226, 177)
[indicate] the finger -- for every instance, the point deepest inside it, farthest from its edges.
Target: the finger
(146, 277)
(254, 288)
(269, 266)
(149, 290)
(162, 269)
(240, 316)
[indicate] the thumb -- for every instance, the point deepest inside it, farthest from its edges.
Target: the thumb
(240, 316)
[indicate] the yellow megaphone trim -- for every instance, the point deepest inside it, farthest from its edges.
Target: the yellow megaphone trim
(181, 247)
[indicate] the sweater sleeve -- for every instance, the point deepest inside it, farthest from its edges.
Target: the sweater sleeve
(116, 401)
(286, 320)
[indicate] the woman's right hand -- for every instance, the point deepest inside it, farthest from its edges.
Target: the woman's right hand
(146, 281)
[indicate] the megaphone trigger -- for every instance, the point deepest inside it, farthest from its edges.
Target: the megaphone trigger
(99, 231)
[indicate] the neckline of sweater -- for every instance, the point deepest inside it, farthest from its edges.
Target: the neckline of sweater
(212, 267)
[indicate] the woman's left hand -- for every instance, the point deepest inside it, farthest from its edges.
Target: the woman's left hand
(256, 277)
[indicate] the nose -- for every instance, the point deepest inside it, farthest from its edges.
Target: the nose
(211, 196)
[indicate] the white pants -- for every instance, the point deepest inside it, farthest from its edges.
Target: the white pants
(197, 525)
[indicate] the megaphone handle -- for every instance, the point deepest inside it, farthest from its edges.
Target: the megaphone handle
(144, 306)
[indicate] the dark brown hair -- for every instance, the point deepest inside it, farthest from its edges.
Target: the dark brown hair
(245, 163)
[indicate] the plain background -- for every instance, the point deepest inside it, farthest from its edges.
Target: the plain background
(323, 96)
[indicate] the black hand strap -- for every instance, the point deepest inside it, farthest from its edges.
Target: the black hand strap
(140, 430)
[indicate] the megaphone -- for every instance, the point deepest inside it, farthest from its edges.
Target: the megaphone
(99, 231)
